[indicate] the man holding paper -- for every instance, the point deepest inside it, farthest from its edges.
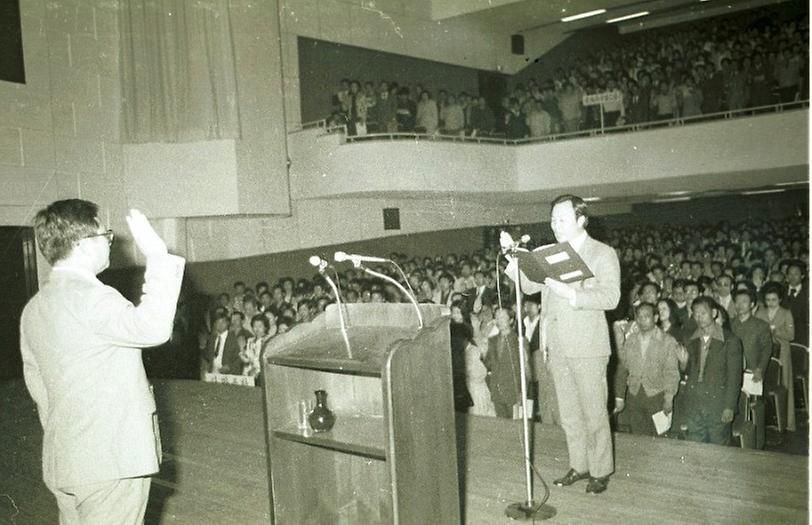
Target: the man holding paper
(757, 344)
(575, 337)
(648, 368)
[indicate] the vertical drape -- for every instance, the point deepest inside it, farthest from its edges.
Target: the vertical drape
(178, 81)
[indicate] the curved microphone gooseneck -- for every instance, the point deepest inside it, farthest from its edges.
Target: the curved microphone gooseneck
(321, 265)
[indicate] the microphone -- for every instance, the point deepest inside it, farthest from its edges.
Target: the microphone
(357, 259)
(318, 262)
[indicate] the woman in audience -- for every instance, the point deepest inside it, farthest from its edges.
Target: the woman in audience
(783, 332)
(255, 347)
(461, 336)
(669, 321)
(475, 371)
(427, 119)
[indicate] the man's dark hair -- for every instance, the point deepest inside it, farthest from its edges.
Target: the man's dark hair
(262, 319)
(744, 291)
(645, 305)
(237, 312)
(62, 224)
(795, 263)
(581, 208)
(239, 283)
(772, 287)
(709, 303)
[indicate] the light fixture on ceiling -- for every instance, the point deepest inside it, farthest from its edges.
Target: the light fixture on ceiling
(627, 17)
(587, 14)
(591, 199)
(761, 192)
(672, 199)
(795, 183)
(680, 192)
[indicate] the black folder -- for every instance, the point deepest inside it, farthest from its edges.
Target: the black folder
(557, 261)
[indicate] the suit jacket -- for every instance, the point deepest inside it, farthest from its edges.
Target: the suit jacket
(757, 341)
(232, 364)
(657, 372)
(502, 362)
(799, 306)
(580, 330)
(81, 346)
(722, 377)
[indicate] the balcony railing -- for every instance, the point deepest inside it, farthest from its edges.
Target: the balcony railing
(681, 121)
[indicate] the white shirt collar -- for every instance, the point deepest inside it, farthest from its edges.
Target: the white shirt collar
(81, 272)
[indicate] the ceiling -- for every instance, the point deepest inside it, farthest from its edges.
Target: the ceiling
(527, 15)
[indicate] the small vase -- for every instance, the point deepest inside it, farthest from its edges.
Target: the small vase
(322, 418)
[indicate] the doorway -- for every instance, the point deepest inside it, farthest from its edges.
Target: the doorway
(18, 281)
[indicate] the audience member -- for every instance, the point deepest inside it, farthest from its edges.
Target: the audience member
(647, 376)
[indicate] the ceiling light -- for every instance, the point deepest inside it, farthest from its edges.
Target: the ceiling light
(591, 199)
(627, 17)
(681, 192)
(673, 199)
(760, 192)
(579, 16)
(791, 183)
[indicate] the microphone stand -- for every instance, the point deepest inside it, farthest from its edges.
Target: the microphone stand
(340, 313)
(358, 264)
(527, 509)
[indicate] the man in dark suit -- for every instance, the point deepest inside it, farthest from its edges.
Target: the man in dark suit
(714, 372)
(796, 299)
(222, 354)
(576, 336)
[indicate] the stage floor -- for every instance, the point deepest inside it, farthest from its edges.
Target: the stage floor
(215, 469)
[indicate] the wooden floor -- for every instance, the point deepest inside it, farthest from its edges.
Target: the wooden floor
(215, 470)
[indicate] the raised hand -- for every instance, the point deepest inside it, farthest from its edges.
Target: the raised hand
(506, 241)
(144, 235)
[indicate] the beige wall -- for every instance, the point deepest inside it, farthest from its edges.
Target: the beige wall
(723, 154)
(59, 131)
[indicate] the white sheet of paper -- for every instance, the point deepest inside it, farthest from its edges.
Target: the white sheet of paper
(662, 422)
(517, 409)
(751, 388)
(557, 258)
(570, 275)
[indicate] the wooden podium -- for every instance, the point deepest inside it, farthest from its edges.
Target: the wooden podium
(391, 456)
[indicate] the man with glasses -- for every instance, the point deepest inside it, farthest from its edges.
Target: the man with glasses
(81, 346)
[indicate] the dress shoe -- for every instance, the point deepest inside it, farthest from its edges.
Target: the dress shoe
(597, 485)
(570, 477)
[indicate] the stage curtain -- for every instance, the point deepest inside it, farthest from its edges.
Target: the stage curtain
(178, 80)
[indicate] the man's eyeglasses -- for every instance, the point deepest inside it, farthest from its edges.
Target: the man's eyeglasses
(110, 234)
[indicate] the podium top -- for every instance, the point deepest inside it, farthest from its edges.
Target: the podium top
(374, 330)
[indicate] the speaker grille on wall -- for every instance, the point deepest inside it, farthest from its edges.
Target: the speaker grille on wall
(517, 44)
(391, 218)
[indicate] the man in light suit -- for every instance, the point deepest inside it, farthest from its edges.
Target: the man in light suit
(81, 346)
(576, 338)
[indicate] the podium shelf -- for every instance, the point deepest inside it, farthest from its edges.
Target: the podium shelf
(327, 351)
(361, 435)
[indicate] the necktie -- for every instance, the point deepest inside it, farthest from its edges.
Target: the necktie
(217, 345)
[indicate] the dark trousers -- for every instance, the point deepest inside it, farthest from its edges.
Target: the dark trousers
(639, 409)
(751, 417)
(705, 425)
(503, 410)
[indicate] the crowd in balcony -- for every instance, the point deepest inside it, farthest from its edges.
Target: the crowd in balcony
(753, 59)
(664, 268)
